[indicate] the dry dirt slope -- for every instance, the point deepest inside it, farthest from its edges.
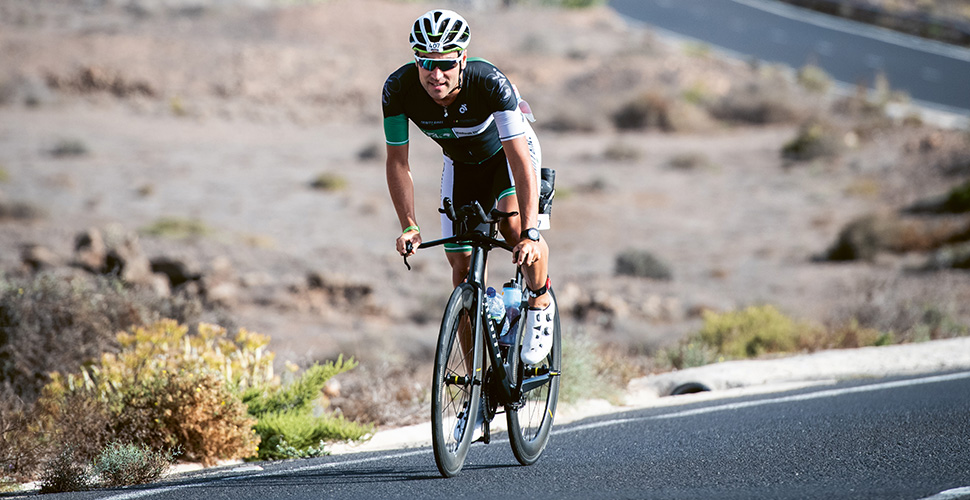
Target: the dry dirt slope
(224, 113)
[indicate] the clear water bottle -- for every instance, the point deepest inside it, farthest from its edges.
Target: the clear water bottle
(511, 300)
(496, 307)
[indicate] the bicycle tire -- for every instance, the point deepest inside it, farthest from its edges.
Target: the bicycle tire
(530, 425)
(454, 388)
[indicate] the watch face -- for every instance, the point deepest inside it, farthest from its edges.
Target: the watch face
(532, 234)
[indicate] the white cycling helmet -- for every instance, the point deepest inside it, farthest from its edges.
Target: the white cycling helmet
(440, 31)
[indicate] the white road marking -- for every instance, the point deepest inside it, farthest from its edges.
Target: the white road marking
(954, 494)
(949, 494)
(772, 401)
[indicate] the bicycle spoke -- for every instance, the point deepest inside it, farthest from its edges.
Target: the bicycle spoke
(530, 420)
(455, 391)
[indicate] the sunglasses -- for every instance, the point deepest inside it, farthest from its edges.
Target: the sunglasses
(442, 64)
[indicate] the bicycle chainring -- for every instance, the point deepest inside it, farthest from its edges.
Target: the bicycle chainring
(489, 397)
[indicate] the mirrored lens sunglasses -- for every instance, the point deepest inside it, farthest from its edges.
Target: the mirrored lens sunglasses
(442, 64)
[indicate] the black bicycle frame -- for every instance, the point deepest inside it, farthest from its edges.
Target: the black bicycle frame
(481, 244)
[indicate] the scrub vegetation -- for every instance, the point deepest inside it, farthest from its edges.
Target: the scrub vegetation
(707, 209)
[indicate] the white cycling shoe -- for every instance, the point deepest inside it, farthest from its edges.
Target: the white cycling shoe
(537, 343)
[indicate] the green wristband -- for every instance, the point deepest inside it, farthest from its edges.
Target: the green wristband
(411, 228)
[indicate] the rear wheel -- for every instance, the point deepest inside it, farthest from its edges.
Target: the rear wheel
(455, 392)
(530, 419)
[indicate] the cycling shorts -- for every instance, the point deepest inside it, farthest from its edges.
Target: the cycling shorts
(486, 182)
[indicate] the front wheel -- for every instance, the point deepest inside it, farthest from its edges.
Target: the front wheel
(455, 391)
(530, 419)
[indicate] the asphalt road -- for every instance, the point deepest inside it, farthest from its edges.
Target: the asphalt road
(932, 73)
(888, 439)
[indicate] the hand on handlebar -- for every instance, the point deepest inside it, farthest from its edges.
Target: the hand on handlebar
(526, 253)
(408, 242)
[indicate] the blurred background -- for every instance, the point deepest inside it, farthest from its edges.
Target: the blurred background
(221, 161)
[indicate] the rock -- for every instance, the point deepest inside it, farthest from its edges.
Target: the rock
(37, 257)
(225, 294)
(128, 262)
(175, 271)
(220, 284)
(90, 250)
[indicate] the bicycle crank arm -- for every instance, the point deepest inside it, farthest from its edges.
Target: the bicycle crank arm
(537, 380)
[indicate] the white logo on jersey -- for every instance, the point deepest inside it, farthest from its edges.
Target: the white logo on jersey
(463, 108)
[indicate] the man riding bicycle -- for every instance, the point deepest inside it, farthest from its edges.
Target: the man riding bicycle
(491, 155)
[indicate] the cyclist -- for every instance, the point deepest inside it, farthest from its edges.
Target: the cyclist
(490, 152)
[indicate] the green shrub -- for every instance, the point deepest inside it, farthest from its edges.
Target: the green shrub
(127, 464)
(763, 101)
(846, 336)
(195, 412)
(751, 332)
(690, 161)
(50, 323)
(815, 139)
(177, 228)
(300, 434)
(579, 378)
(64, 472)
(169, 388)
(642, 264)
(287, 425)
(650, 110)
(166, 388)
(68, 147)
(21, 452)
(689, 354)
(958, 199)
(619, 151)
(300, 394)
(814, 79)
(77, 420)
(579, 4)
(329, 182)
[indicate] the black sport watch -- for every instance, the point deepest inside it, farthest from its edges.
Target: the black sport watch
(531, 233)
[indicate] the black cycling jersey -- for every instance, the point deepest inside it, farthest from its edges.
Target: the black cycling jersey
(466, 130)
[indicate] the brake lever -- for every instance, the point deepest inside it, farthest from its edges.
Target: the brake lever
(448, 209)
(408, 246)
(480, 212)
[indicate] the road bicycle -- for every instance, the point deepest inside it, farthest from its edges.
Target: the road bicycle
(474, 371)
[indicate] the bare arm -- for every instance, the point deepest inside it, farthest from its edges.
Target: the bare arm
(526, 187)
(526, 252)
(401, 186)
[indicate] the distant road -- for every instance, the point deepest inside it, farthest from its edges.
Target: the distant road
(936, 74)
(900, 438)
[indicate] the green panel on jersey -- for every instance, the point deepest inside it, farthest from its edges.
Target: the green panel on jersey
(440, 133)
(396, 130)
